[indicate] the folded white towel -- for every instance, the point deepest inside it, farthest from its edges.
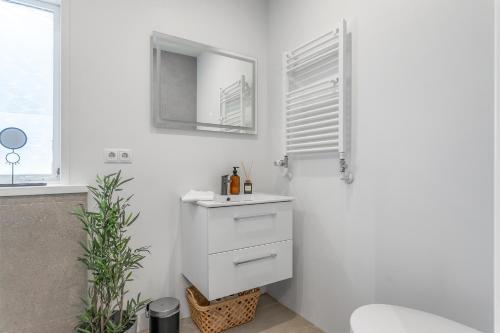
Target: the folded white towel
(194, 195)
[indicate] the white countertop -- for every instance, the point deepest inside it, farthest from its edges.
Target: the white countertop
(42, 190)
(243, 199)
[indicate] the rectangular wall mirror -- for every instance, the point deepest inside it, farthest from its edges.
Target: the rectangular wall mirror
(199, 87)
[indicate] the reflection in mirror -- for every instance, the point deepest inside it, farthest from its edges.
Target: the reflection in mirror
(13, 138)
(198, 87)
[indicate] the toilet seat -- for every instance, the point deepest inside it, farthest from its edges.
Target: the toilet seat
(383, 318)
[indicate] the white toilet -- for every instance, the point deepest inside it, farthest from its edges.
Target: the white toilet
(382, 318)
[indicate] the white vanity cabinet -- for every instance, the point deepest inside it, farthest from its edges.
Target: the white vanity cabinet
(228, 247)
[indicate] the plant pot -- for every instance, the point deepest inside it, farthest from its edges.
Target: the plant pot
(133, 328)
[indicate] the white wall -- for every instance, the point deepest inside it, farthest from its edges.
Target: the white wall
(415, 228)
(107, 105)
(497, 168)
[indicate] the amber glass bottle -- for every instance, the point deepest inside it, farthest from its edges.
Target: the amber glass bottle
(234, 188)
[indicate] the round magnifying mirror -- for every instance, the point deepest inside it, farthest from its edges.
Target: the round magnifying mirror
(13, 138)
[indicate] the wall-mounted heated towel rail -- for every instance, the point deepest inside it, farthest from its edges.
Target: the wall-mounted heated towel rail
(232, 103)
(314, 82)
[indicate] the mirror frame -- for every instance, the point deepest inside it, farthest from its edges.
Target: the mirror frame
(158, 121)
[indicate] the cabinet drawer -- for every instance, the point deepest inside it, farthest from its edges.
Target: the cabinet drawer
(235, 271)
(236, 227)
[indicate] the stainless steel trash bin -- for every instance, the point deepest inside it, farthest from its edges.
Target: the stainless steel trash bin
(163, 315)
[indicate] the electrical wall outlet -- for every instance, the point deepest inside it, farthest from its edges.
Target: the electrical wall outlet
(125, 156)
(111, 155)
(117, 155)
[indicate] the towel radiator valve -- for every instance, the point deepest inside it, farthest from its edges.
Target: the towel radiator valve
(282, 163)
(345, 174)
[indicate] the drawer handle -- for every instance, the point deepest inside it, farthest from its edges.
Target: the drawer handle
(247, 217)
(246, 261)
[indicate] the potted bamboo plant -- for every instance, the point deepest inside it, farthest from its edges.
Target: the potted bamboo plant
(110, 260)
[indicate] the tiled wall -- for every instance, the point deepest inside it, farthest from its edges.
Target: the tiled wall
(41, 281)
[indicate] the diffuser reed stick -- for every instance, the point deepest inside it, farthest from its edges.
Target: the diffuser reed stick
(248, 172)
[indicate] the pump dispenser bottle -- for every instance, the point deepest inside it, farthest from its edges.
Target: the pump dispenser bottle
(234, 188)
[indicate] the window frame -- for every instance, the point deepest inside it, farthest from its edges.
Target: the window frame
(55, 176)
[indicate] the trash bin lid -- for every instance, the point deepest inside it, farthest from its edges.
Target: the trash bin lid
(164, 307)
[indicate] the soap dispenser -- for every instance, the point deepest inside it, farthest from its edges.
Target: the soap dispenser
(234, 187)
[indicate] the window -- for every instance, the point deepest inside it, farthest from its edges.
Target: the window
(30, 86)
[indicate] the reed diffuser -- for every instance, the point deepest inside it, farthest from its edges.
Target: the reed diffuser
(247, 186)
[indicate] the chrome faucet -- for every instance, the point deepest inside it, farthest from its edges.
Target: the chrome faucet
(224, 183)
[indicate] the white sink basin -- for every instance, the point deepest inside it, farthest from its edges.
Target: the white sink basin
(234, 198)
(243, 199)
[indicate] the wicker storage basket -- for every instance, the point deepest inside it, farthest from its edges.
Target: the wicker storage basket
(224, 313)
